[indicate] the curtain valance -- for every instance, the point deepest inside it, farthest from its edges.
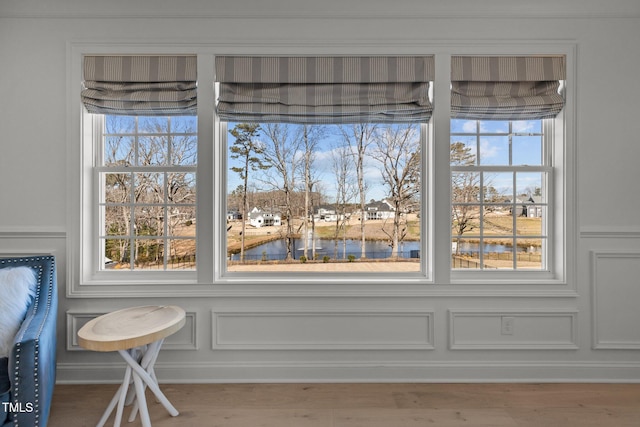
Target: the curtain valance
(324, 89)
(140, 85)
(506, 87)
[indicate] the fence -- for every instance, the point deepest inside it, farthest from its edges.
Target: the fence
(184, 262)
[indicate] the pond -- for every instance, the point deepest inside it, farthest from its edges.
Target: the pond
(473, 248)
(276, 250)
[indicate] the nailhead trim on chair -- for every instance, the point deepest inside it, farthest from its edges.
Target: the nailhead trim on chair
(36, 301)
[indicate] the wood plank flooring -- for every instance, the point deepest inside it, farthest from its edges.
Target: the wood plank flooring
(365, 405)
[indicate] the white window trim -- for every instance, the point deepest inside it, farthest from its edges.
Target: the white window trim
(553, 241)
(311, 278)
(212, 279)
(98, 123)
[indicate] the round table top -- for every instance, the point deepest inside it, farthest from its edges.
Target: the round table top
(131, 327)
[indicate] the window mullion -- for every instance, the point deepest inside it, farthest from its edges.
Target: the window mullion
(481, 216)
(99, 192)
(132, 231)
(514, 223)
(205, 214)
(441, 198)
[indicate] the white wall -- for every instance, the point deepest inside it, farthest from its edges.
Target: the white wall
(584, 330)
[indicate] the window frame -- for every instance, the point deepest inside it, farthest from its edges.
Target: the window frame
(93, 250)
(546, 167)
(555, 227)
(100, 190)
(312, 277)
(437, 277)
(561, 155)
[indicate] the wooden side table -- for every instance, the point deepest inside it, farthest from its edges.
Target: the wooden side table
(137, 334)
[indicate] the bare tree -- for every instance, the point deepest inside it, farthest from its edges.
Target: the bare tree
(398, 152)
(342, 166)
(465, 191)
(359, 137)
(247, 150)
(282, 153)
(147, 207)
(310, 138)
(118, 151)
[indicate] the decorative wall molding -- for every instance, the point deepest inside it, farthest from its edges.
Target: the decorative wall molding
(32, 232)
(185, 339)
(322, 330)
(532, 330)
(333, 9)
(31, 241)
(615, 295)
(375, 371)
(610, 232)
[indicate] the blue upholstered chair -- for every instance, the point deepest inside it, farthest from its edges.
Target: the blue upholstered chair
(32, 361)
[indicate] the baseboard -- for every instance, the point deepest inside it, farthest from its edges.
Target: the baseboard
(385, 372)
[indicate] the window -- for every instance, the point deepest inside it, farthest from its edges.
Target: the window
(502, 174)
(146, 181)
(324, 196)
(139, 178)
(281, 174)
(499, 194)
(325, 161)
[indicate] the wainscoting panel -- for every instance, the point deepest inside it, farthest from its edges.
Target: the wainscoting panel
(512, 330)
(322, 330)
(184, 339)
(616, 294)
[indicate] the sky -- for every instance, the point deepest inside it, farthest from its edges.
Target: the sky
(489, 138)
(323, 169)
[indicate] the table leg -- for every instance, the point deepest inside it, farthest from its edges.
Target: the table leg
(147, 362)
(148, 380)
(137, 353)
(141, 401)
(118, 399)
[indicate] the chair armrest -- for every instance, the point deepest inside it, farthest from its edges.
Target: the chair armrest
(32, 362)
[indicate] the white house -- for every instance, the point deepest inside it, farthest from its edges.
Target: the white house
(326, 214)
(233, 215)
(259, 218)
(529, 206)
(379, 210)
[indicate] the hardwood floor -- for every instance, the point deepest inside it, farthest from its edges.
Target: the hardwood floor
(365, 405)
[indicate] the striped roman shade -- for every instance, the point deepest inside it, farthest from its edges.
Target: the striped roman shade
(140, 85)
(506, 87)
(324, 89)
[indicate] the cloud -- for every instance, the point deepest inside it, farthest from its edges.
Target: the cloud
(469, 126)
(523, 126)
(487, 150)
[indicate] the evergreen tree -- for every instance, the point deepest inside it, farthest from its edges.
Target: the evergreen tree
(247, 149)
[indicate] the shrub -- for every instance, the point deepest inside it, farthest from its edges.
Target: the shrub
(351, 258)
(325, 258)
(303, 259)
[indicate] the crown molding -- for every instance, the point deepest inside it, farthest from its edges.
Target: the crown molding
(328, 9)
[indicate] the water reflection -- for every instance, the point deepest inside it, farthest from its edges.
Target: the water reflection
(277, 250)
(474, 248)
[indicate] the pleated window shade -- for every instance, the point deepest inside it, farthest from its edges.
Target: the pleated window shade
(324, 90)
(506, 87)
(140, 85)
